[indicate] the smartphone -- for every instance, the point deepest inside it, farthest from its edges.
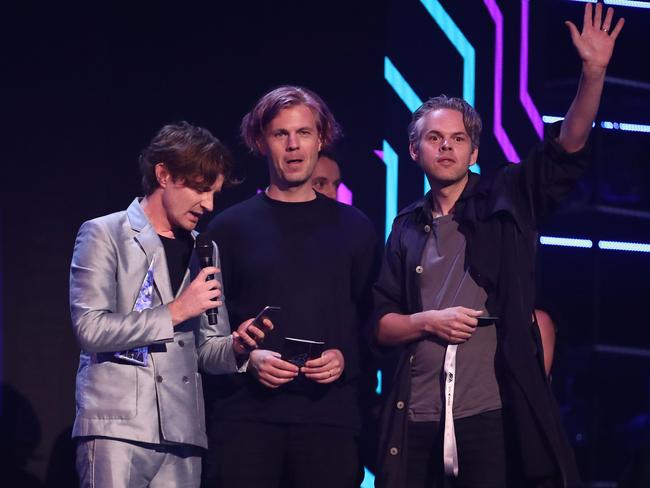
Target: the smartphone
(268, 310)
(486, 320)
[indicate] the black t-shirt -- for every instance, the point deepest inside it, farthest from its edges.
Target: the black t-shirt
(315, 260)
(177, 252)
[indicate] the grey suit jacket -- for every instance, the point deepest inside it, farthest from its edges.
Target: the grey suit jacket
(162, 402)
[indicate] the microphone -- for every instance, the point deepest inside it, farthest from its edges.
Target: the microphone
(204, 252)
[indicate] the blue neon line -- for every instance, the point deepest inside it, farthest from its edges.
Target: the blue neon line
(565, 242)
(368, 479)
(625, 126)
(401, 86)
(391, 160)
(378, 389)
(460, 42)
(624, 246)
(620, 3)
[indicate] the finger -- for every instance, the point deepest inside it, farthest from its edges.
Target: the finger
(324, 368)
(466, 326)
(211, 303)
(255, 333)
(318, 362)
(267, 323)
(617, 29)
(208, 270)
(325, 381)
(586, 21)
(213, 294)
(281, 364)
(325, 376)
(471, 322)
(598, 16)
(459, 334)
(573, 31)
(245, 339)
(607, 24)
(277, 373)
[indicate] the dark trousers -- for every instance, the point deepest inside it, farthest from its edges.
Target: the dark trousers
(263, 455)
(483, 457)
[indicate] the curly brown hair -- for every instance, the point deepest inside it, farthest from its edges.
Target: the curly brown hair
(189, 152)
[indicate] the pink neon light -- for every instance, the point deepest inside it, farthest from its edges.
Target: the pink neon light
(344, 194)
(499, 132)
(379, 153)
(524, 96)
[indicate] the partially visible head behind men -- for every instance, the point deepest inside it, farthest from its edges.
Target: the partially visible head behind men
(326, 177)
(471, 118)
(191, 155)
(269, 106)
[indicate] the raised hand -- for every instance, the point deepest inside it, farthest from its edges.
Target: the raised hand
(595, 43)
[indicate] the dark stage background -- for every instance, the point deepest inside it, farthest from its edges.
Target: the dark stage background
(85, 88)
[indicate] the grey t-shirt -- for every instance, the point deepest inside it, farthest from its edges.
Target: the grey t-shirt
(446, 283)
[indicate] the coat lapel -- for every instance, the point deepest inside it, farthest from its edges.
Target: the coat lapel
(150, 243)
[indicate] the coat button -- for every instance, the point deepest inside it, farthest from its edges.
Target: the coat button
(427, 228)
(186, 380)
(419, 269)
(400, 405)
(181, 343)
(159, 379)
(393, 451)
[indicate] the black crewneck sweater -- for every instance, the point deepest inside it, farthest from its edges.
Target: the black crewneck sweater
(317, 261)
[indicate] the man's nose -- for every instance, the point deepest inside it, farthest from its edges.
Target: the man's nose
(292, 142)
(207, 202)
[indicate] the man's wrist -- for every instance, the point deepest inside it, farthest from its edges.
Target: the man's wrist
(176, 311)
(592, 71)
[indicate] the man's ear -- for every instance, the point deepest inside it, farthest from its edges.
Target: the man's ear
(261, 147)
(414, 152)
(162, 175)
(474, 157)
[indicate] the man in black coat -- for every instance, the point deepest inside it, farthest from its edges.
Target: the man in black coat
(471, 405)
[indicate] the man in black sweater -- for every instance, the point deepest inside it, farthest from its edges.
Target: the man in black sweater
(281, 424)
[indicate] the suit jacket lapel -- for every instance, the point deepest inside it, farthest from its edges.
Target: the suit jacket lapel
(150, 243)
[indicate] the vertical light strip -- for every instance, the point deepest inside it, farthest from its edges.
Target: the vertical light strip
(460, 42)
(391, 161)
(368, 479)
(524, 96)
(499, 132)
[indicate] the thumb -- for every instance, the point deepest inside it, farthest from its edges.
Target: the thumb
(573, 30)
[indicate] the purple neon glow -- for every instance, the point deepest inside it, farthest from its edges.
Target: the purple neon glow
(344, 194)
(524, 96)
(379, 153)
(499, 132)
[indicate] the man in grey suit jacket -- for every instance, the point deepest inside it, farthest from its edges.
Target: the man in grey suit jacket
(137, 300)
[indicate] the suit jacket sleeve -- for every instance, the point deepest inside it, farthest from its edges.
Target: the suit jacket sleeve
(97, 323)
(216, 354)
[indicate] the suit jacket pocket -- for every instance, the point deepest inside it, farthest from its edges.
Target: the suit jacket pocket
(108, 390)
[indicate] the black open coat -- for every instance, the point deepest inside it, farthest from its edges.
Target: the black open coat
(499, 217)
